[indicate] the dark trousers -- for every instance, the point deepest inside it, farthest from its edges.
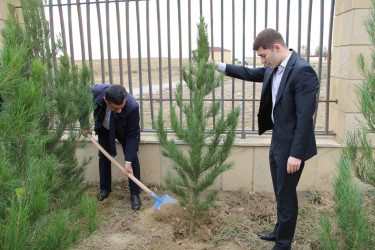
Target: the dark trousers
(105, 166)
(285, 188)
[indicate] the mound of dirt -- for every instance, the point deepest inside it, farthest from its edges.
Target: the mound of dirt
(233, 224)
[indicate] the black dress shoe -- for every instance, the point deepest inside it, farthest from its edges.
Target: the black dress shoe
(103, 195)
(136, 202)
(268, 237)
(275, 247)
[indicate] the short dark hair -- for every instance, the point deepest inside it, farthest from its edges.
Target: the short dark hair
(267, 39)
(116, 94)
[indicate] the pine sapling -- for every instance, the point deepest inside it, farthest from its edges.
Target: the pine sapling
(196, 170)
(351, 215)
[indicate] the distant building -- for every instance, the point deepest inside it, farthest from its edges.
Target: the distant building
(227, 54)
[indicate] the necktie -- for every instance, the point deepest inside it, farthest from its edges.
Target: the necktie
(112, 135)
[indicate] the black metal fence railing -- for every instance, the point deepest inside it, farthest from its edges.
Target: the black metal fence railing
(143, 45)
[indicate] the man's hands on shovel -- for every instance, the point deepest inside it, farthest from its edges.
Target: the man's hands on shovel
(127, 169)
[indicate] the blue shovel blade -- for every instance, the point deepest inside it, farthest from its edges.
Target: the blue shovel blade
(161, 201)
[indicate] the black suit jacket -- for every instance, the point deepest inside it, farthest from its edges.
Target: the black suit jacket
(126, 123)
(293, 130)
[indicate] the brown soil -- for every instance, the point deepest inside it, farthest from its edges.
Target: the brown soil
(233, 224)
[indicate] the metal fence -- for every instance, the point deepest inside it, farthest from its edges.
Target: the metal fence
(143, 45)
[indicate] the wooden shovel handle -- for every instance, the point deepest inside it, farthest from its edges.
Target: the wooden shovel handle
(140, 184)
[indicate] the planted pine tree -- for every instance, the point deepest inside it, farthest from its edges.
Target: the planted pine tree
(41, 181)
(351, 215)
(196, 170)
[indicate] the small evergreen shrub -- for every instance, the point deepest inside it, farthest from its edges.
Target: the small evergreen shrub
(196, 170)
(41, 181)
(352, 217)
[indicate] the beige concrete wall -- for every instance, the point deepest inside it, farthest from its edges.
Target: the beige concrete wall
(249, 173)
(350, 38)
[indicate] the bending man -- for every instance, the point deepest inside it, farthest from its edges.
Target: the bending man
(117, 116)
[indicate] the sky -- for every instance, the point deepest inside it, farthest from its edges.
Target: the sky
(219, 6)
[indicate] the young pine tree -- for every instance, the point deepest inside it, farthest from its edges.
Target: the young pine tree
(359, 143)
(351, 216)
(197, 170)
(41, 181)
(66, 90)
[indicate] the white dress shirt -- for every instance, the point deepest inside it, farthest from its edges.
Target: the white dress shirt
(276, 79)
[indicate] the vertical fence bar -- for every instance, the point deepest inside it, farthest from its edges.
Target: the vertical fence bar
(119, 40)
(265, 13)
(52, 32)
(243, 134)
(320, 57)
(109, 57)
(233, 47)
(200, 8)
(61, 14)
(180, 52)
(189, 28)
(149, 61)
(309, 33)
(277, 14)
(254, 65)
(160, 57)
(222, 56)
(213, 55)
(329, 64)
(140, 65)
(70, 33)
(128, 49)
(287, 22)
(321, 41)
(169, 52)
(212, 30)
(299, 26)
(81, 32)
(100, 40)
(46, 35)
(89, 40)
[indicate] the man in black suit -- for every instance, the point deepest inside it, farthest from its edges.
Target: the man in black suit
(117, 116)
(287, 106)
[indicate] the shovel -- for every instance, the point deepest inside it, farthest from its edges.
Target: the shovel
(159, 201)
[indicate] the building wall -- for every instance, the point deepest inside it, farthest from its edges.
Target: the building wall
(227, 55)
(350, 38)
(4, 12)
